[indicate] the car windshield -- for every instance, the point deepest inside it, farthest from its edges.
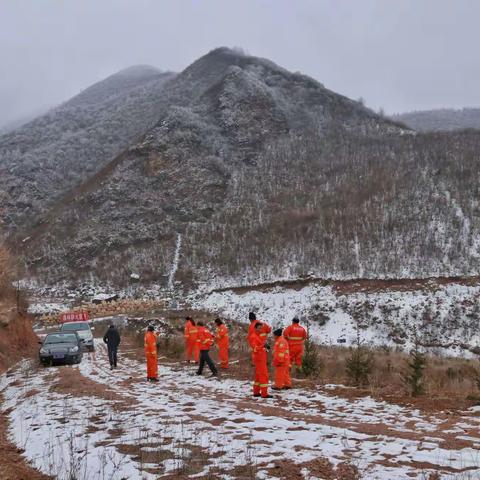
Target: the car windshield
(73, 326)
(61, 338)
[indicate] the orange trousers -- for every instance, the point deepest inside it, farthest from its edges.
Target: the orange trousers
(296, 354)
(223, 354)
(260, 385)
(192, 351)
(152, 365)
(282, 376)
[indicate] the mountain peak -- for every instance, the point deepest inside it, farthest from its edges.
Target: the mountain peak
(137, 71)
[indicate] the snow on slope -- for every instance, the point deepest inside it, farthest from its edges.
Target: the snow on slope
(446, 318)
(151, 431)
(176, 258)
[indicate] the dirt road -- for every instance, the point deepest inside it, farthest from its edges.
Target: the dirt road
(91, 423)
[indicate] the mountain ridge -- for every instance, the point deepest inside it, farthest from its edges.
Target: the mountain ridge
(266, 174)
(442, 119)
(55, 151)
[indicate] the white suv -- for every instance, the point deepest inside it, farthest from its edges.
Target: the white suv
(83, 330)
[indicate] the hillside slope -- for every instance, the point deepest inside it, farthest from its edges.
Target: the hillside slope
(239, 139)
(55, 152)
(253, 173)
(445, 119)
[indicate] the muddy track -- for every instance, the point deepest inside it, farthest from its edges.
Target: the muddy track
(366, 285)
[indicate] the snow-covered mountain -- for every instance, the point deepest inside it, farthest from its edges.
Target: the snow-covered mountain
(265, 174)
(44, 158)
(442, 119)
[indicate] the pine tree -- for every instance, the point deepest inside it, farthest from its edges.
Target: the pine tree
(311, 362)
(414, 374)
(360, 362)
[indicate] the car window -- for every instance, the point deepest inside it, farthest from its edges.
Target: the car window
(61, 338)
(71, 326)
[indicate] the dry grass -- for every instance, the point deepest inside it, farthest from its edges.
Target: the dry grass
(446, 380)
(69, 381)
(6, 272)
(450, 383)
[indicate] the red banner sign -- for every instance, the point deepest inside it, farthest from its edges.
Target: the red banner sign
(80, 316)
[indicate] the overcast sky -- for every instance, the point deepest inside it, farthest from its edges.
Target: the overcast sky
(397, 54)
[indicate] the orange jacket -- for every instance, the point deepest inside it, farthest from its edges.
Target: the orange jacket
(281, 354)
(295, 334)
(266, 329)
(259, 351)
(150, 343)
(191, 331)
(204, 338)
(222, 335)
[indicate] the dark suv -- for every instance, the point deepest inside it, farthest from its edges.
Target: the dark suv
(61, 347)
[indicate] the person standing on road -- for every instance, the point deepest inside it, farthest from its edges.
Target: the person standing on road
(260, 384)
(191, 344)
(221, 338)
(151, 354)
(281, 362)
(265, 330)
(112, 339)
(205, 342)
(295, 335)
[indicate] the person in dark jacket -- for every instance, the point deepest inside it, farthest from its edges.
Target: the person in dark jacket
(205, 341)
(112, 339)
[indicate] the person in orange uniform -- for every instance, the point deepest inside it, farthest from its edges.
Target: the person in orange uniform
(260, 384)
(205, 342)
(281, 362)
(221, 338)
(295, 335)
(265, 330)
(151, 355)
(191, 344)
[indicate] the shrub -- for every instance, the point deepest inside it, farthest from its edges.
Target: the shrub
(311, 363)
(359, 363)
(413, 377)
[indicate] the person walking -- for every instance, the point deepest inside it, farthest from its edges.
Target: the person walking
(191, 345)
(112, 339)
(295, 335)
(265, 330)
(205, 342)
(281, 362)
(260, 383)
(221, 338)
(151, 354)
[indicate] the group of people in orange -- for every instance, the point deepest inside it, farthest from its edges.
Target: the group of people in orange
(287, 350)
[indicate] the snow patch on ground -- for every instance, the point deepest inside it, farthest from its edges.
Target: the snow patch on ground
(446, 317)
(164, 422)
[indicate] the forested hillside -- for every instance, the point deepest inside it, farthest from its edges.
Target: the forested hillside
(253, 173)
(41, 160)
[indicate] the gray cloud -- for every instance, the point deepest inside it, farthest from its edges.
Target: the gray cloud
(399, 55)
